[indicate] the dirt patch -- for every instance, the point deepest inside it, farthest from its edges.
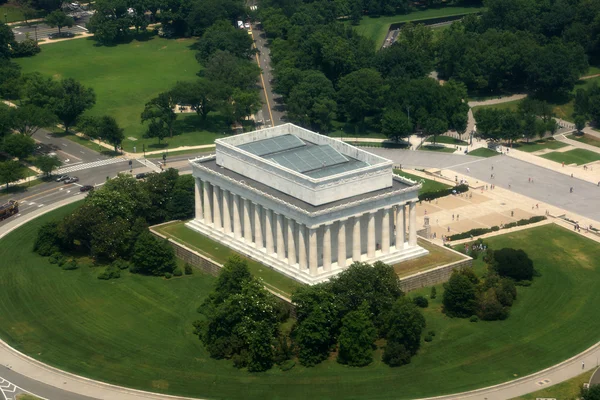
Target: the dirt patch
(57, 76)
(22, 328)
(162, 48)
(160, 384)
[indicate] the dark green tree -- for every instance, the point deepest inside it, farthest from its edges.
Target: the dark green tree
(222, 35)
(6, 38)
(152, 256)
(59, 19)
(460, 296)
(203, 95)
(11, 171)
(405, 324)
(47, 164)
(160, 115)
(181, 203)
(357, 337)
(19, 146)
(311, 102)
(28, 119)
(361, 94)
(396, 125)
(74, 99)
(513, 263)
(591, 393)
(105, 128)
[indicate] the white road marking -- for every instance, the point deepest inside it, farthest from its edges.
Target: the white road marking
(93, 164)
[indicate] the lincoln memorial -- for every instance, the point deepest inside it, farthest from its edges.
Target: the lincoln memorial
(304, 204)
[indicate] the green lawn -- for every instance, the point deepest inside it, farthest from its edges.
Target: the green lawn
(569, 389)
(220, 253)
(508, 105)
(440, 149)
(13, 13)
(377, 28)
(447, 140)
(539, 145)
(576, 156)
(127, 76)
(429, 185)
(483, 152)
(587, 139)
(136, 330)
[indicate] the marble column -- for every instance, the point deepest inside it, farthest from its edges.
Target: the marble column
(356, 245)
(269, 231)
(400, 228)
(302, 246)
(237, 217)
(207, 207)
(412, 233)
(258, 239)
(327, 248)
(385, 231)
(247, 222)
(291, 244)
(217, 208)
(280, 242)
(371, 235)
(313, 259)
(226, 211)
(341, 248)
(198, 199)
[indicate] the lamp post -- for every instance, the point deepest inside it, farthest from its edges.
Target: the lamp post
(35, 27)
(6, 18)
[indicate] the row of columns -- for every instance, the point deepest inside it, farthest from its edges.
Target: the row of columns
(211, 202)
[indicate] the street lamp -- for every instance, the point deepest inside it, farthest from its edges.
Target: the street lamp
(6, 18)
(35, 27)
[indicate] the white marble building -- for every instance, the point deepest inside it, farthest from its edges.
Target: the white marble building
(305, 204)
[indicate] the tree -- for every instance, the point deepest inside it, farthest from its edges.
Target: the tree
(41, 91)
(110, 240)
(6, 122)
(152, 256)
(231, 279)
(513, 263)
(405, 324)
(159, 112)
(106, 128)
(357, 336)
(181, 203)
(28, 119)
(311, 102)
(591, 393)
(244, 103)
(46, 241)
(490, 308)
(360, 94)
(459, 297)
(580, 123)
(19, 146)
(6, 38)
(222, 35)
(395, 125)
(202, 95)
(47, 164)
(229, 70)
(59, 19)
(26, 48)
(74, 99)
(11, 171)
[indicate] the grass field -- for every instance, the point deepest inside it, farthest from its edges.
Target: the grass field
(13, 13)
(136, 330)
(587, 139)
(447, 140)
(566, 390)
(439, 149)
(576, 156)
(377, 28)
(539, 145)
(127, 76)
(483, 152)
(220, 253)
(429, 185)
(437, 256)
(508, 105)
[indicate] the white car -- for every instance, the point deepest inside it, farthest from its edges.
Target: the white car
(247, 25)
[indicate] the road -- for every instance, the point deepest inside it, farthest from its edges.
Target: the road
(273, 111)
(42, 31)
(13, 384)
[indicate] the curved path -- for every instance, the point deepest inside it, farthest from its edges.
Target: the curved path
(54, 384)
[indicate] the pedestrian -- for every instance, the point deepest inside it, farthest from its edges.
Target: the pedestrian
(563, 164)
(448, 229)
(537, 206)
(492, 167)
(510, 186)
(468, 170)
(571, 175)
(529, 179)
(457, 217)
(571, 190)
(512, 213)
(583, 365)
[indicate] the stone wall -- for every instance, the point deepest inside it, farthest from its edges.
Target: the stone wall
(210, 266)
(433, 276)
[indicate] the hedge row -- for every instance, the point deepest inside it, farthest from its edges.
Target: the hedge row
(443, 192)
(483, 231)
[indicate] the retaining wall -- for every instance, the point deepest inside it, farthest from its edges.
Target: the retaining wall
(434, 276)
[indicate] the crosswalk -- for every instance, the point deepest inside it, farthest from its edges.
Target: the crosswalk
(10, 391)
(93, 164)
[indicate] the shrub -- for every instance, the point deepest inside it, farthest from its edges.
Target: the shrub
(168, 275)
(443, 192)
(474, 318)
(26, 48)
(421, 301)
(188, 269)
(111, 272)
(71, 265)
(495, 228)
(46, 242)
(177, 272)
(287, 365)
(433, 293)
(523, 283)
(459, 297)
(513, 263)
(490, 309)
(428, 338)
(395, 354)
(120, 264)
(152, 256)
(55, 257)
(431, 333)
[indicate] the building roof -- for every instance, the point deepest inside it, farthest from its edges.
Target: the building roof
(211, 164)
(313, 160)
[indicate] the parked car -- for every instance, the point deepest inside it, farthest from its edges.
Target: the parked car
(62, 178)
(72, 180)
(86, 188)
(141, 175)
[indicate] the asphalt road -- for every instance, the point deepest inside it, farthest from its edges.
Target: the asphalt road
(12, 384)
(272, 110)
(43, 31)
(68, 151)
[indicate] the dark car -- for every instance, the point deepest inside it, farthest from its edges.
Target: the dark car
(141, 175)
(62, 178)
(72, 180)
(86, 188)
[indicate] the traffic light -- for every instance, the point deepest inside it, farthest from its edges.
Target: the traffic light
(164, 156)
